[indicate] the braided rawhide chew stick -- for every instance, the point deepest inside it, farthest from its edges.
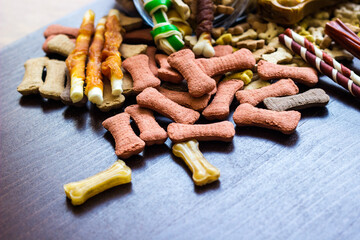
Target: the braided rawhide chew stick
(166, 36)
(205, 17)
(77, 58)
(110, 54)
(94, 83)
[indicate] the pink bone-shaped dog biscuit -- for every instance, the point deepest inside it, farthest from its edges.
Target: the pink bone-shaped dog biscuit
(153, 99)
(223, 50)
(305, 75)
(248, 115)
(219, 107)
(138, 67)
(185, 99)
(166, 73)
(283, 87)
(150, 52)
(198, 82)
(220, 131)
(56, 29)
(126, 141)
(150, 131)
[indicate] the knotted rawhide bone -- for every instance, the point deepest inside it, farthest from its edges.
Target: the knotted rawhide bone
(94, 84)
(56, 29)
(111, 58)
(185, 99)
(138, 67)
(166, 73)
(204, 19)
(151, 52)
(32, 79)
(304, 75)
(283, 87)
(59, 44)
(239, 60)
(76, 60)
(198, 82)
(315, 97)
(54, 81)
(116, 174)
(219, 108)
(220, 131)
(203, 171)
(166, 36)
(126, 141)
(152, 99)
(248, 115)
(110, 101)
(150, 131)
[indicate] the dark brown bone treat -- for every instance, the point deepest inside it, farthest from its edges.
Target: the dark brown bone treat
(139, 36)
(205, 17)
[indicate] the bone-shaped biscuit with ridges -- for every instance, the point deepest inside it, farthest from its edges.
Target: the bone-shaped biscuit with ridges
(248, 115)
(165, 72)
(32, 79)
(154, 100)
(54, 81)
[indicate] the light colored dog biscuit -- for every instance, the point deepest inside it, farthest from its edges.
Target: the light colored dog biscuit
(130, 50)
(54, 81)
(110, 101)
(32, 79)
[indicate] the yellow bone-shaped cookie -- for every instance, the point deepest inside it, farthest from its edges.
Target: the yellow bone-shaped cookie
(82, 190)
(203, 171)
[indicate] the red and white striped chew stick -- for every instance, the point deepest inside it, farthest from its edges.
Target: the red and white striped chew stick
(323, 55)
(320, 65)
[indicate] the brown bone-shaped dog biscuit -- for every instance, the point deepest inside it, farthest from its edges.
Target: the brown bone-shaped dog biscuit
(56, 29)
(150, 131)
(198, 82)
(153, 99)
(283, 87)
(248, 115)
(166, 73)
(251, 44)
(270, 71)
(126, 141)
(312, 98)
(219, 107)
(239, 60)
(32, 79)
(185, 99)
(220, 131)
(54, 81)
(138, 67)
(150, 52)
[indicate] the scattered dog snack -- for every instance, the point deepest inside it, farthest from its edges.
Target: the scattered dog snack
(56, 29)
(126, 141)
(251, 44)
(130, 23)
(116, 174)
(203, 171)
(153, 99)
(248, 115)
(220, 131)
(32, 79)
(304, 75)
(130, 50)
(222, 50)
(256, 84)
(138, 67)
(165, 72)
(59, 44)
(315, 97)
(54, 81)
(245, 76)
(262, 51)
(109, 100)
(185, 99)
(219, 108)
(283, 87)
(151, 52)
(280, 56)
(150, 131)
(65, 95)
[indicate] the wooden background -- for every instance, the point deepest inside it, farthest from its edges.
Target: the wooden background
(272, 186)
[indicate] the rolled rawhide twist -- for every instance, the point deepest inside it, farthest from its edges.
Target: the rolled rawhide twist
(166, 36)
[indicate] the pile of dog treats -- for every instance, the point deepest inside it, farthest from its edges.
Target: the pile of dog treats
(249, 63)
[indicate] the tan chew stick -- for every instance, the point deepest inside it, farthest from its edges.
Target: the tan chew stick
(138, 67)
(116, 174)
(54, 81)
(150, 131)
(185, 99)
(304, 75)
(283, 87)
(203, 171)
(248, 115)
(32, 79)
(315, 97)
(239, 60)
(220, 131)
(198, 82)
(166, 73)
(153, 99)
(219, 108)
(126, 141)
(65, 95)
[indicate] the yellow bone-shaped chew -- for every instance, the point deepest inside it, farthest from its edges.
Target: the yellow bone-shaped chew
(82, 190)
(203, 171)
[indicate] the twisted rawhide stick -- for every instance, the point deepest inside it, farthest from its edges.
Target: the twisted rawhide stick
(204, 20)
(110, 54)
(77, 58)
